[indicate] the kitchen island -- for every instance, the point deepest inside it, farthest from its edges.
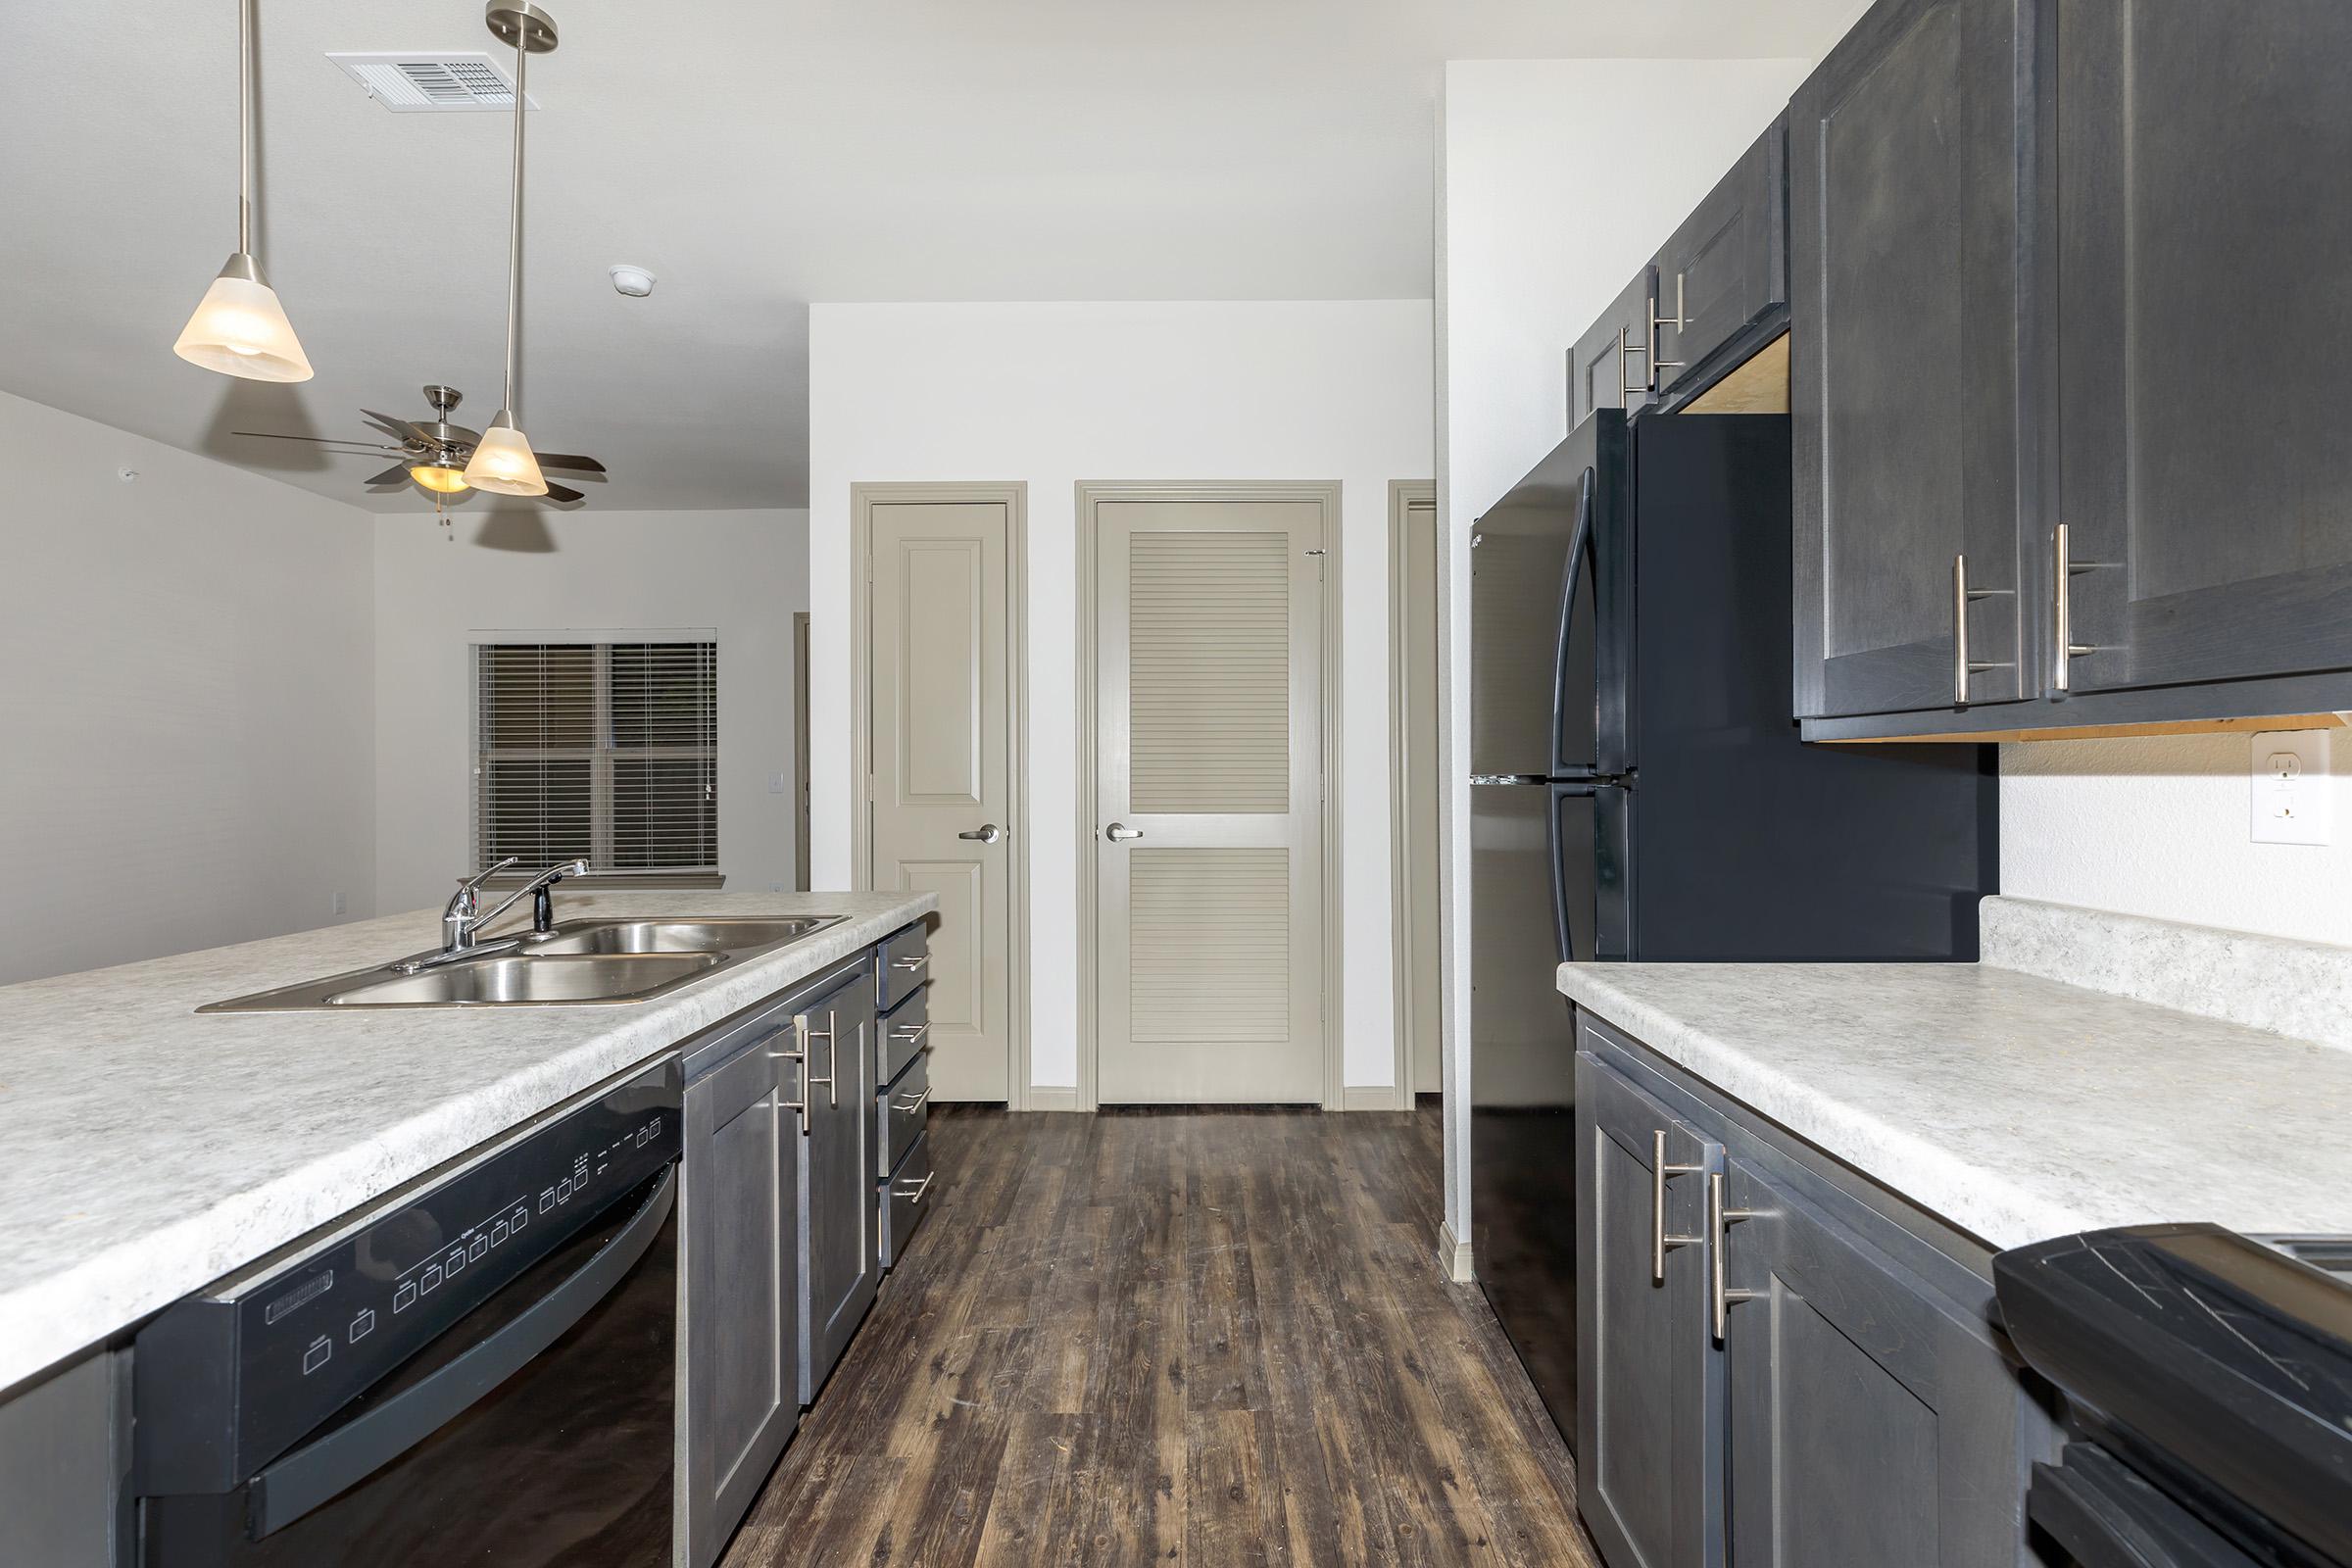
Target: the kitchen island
(152, 1148)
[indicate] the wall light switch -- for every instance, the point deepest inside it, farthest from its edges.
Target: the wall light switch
(334, 901)
(2293, 796)
(779, 783)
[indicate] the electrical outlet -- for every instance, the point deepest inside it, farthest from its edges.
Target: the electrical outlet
(779, 783)
(2293, 798)
(334, 901)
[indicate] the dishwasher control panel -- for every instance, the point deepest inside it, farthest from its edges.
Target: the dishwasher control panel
(227, 1379)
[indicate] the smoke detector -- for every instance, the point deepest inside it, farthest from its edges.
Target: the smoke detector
(432, 80)
(634, 281)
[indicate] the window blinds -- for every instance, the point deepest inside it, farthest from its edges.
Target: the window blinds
(606, 750)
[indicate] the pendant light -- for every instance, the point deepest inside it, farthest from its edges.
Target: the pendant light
(240, 328)
(502, 462)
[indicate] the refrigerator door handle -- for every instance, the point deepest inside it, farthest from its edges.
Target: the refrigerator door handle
(1561, 930)
(1579, 553)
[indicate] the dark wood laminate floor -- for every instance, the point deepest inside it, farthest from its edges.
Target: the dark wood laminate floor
(1198, 1336)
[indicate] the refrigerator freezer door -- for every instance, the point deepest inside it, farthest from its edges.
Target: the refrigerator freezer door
(1518, 1019)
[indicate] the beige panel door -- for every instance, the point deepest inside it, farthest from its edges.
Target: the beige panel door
(941, 785)
(1208, 775)
(1417, 746)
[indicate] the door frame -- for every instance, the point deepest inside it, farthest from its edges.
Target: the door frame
(802, 799)
(1403, 494)
(1013, 496)
(1326, 495)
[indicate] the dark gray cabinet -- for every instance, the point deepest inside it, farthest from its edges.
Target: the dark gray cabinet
(739, 1246)
(1870, 1421)
(64, 1466)
(1780, 1361)
(1909, 243)
(840, 1258)
(2203, 160)
(1723, 277)
(1648, 1405)
(1609, 366)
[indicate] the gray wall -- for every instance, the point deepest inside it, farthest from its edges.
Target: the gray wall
(188, 714)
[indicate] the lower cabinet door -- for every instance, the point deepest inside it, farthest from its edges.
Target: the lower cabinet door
(739, 1260)
(839, 1253)
(1869, 1423)
(1649, 1395)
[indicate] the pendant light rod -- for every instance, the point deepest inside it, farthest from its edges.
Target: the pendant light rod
(245, 96)
(523, 58)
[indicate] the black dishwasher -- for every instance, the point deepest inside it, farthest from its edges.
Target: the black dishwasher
(480, 1370)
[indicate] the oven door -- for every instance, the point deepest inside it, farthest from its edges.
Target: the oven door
(536, 1433)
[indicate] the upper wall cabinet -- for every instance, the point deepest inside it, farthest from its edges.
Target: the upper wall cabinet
(1906, 228)
(1723, 278)
(1609, 366)
(2204, 218)
(2060, 463)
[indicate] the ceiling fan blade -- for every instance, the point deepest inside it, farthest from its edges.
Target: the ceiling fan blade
(563, 493)
(402, 428)
(568, 460)
(323, 440)
(398, 473)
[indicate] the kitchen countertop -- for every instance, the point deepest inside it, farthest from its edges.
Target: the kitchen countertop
(2013, 1106)
(150, 1149)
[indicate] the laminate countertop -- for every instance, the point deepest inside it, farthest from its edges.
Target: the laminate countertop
(2013, 1106)
(146, 1150)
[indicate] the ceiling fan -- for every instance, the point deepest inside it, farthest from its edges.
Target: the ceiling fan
(433, 452)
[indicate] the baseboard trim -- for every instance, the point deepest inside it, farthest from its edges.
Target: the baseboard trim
(1373, 1097)
(1453, 1257)
(1052, 1097)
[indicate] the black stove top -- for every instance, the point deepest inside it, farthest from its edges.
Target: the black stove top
(2211, 1368)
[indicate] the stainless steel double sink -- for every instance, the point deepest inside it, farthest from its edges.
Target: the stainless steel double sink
(577, 962)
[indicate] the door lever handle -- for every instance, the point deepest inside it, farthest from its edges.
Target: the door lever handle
(1120, 832)
(985, 833)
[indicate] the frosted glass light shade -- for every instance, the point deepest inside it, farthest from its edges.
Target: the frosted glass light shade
(502, 462)
(240, 329)
(439, 478)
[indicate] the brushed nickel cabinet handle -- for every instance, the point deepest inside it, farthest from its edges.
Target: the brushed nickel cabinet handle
(910, 1106)
(809, 1080)
(1625, 389)
(1678, 322)
(1719, 1225)
(920, 960)
(800, 1056)
(1659, 1240)
(1963, 596)
(911, 1031)
(917, 1194)
(2063, 568)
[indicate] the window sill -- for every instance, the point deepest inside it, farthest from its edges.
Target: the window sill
(622, 882)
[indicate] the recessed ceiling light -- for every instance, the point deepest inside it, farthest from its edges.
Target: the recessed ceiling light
(634, 281)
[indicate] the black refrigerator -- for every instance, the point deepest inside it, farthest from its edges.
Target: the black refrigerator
(1639, 792)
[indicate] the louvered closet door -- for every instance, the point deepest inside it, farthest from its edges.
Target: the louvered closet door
(1209, 730)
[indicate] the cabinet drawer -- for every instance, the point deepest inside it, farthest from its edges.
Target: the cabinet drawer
(1726, 270)
(904, 1034)
(906, 1197)
(900, 1114)
(906, 964)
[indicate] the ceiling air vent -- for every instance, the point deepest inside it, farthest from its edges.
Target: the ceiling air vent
(432, 80)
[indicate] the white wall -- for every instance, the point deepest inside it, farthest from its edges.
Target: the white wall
(742, 573)
(1556, 180)
(2160, 827)
(187, 708)
(1057, 393)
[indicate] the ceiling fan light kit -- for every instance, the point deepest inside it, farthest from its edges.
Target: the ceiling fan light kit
(502, 461)
(239, 328)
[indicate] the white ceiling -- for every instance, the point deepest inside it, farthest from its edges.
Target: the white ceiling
(756, 154)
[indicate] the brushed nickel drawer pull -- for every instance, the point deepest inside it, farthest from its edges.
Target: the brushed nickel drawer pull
(920, 960)
(1659, 1240)
(910, 1031)
(832, 1058)
(800, 1036)
(1678, 322)
(1719, 1225)
(1625, 389)
(917, 1194)
(1963, 596)
(910, 1106)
